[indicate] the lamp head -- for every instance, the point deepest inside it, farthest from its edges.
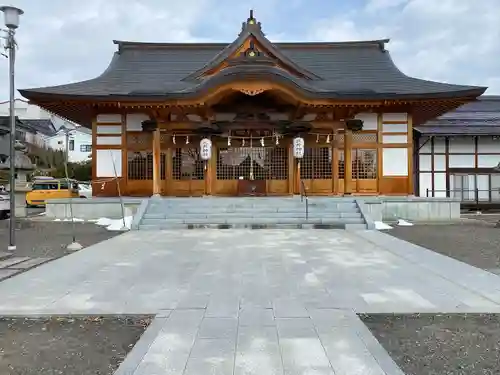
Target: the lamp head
(11, 16)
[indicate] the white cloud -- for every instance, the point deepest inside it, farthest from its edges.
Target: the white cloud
(455, 41)
(375, 5)
(64, 41)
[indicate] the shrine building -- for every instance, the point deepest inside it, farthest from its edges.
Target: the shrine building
(253, 117)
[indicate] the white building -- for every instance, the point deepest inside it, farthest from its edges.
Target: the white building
(27, 111)
(458, 153)
(80, 143)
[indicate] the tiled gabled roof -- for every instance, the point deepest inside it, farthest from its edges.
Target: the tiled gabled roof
(481, 117)
(43, 126)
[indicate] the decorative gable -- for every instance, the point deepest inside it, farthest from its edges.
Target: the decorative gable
(251, 48)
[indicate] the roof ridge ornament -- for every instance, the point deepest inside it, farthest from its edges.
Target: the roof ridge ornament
(251, 24)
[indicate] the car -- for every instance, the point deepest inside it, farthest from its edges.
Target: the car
(47, 188)
(84, 190)
(4, 204)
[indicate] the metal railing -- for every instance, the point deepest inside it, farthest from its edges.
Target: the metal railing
(303, 194)
(468, 196)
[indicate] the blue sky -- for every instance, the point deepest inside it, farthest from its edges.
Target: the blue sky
(454, 41)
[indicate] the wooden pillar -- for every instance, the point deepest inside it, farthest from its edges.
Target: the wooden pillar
(124, 189)
(156, 162)
(335, 164)
(211, 170)
(291, 170)
(347, 161)
(411, 167)
(169, 170)
(380, 151)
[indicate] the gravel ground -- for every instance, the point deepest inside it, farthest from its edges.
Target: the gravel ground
(451, 344)
(69, 346)
(40, 239)
(474, 242)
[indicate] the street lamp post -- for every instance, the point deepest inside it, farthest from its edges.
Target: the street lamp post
(11, 18)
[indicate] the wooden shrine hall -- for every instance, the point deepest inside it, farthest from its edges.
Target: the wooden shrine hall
(252, 117)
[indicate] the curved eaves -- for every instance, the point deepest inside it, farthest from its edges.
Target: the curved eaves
(426, 86)
(81, 85)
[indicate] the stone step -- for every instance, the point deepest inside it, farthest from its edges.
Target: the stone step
(233, 208)
(187, 215)
(248, 200)
(253, 220)
(248, 226)
(224, 218)
(243, 201)
(256, 212)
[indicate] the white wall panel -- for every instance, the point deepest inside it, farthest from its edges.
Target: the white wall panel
(439, 162)
(394, 138)
(425, 182)
(439, 145)
(106, 118)
(486, 145)
(440, 185)
(134, 121)
(395, 128)
(483, 186)
(461, 161)
(403, 117)
(488, 161)
(369, 119)
(105, 161)
(462, 145)
(109, 141)
(425, 163)
(424, 145)
(395, 162)
(109, 129)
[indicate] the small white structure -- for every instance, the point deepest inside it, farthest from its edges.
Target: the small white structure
(80, 143)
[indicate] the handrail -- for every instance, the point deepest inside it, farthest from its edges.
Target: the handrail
(303, 193)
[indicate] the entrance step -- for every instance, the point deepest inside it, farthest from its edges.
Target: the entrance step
(252, 212)
(258, 214)
(251, 221)
(251, 226)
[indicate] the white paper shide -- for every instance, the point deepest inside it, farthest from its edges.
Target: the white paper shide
(298, 147)
(205, 149)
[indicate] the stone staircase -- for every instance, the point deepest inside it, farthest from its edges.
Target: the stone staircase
(250, 212)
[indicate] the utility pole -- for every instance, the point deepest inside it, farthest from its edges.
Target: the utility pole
(11, 17)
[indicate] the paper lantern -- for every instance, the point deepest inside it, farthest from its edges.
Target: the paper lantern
(205, 149)
(298, 147)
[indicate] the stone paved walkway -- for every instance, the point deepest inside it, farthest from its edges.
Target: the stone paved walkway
(256, 302)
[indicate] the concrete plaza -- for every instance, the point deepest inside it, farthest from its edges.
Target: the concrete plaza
(253, 301)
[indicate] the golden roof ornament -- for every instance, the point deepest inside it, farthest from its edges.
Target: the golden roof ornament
(251, 22)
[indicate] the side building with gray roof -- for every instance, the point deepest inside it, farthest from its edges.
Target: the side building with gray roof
(458, 154)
